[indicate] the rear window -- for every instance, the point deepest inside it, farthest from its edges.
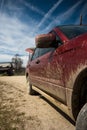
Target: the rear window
(73, 31)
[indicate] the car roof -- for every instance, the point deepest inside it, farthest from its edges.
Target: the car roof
(71, 25)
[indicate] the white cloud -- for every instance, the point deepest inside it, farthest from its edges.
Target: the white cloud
(33, 8)
(15, 37)
(1, 5)
(48, 14)
(5, 58)
(64, 16)
(25, 59)
(69, 12)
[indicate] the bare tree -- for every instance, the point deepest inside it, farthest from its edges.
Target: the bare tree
(17, 62)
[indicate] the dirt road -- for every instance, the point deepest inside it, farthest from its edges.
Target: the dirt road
(20, 111)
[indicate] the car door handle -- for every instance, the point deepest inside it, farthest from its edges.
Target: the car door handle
(38, 61)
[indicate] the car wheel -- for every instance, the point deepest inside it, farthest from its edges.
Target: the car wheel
(9, 72)
(81, 123)
(30, 90)
(79, 96)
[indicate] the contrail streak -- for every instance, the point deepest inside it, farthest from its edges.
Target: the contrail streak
(64, 16)
(47, 15)
(2, 5)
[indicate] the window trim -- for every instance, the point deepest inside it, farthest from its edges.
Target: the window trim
(33, 55)
(58, 37)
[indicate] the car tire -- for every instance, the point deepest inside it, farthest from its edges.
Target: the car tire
(79, 95)
(10, 72)
(30, 89)
(81, 122)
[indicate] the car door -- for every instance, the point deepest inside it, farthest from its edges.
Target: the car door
(55, 73)
(33, 66)
(38, 66)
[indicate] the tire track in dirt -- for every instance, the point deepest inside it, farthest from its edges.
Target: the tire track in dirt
(32, 112)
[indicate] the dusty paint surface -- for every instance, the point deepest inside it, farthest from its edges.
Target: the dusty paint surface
(57, 71)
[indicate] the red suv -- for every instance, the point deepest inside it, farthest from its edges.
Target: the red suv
(58, 66)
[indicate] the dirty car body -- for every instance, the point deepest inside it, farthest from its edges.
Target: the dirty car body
(60, 69)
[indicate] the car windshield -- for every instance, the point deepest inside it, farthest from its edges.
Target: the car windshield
(73, 31)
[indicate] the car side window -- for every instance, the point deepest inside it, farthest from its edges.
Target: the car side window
(43, 51)
(36, 54)
(58, 40)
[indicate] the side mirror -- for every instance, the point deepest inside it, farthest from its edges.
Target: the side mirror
(45, 40)
(30, 51)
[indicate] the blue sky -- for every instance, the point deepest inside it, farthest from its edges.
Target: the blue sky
(22, 20)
